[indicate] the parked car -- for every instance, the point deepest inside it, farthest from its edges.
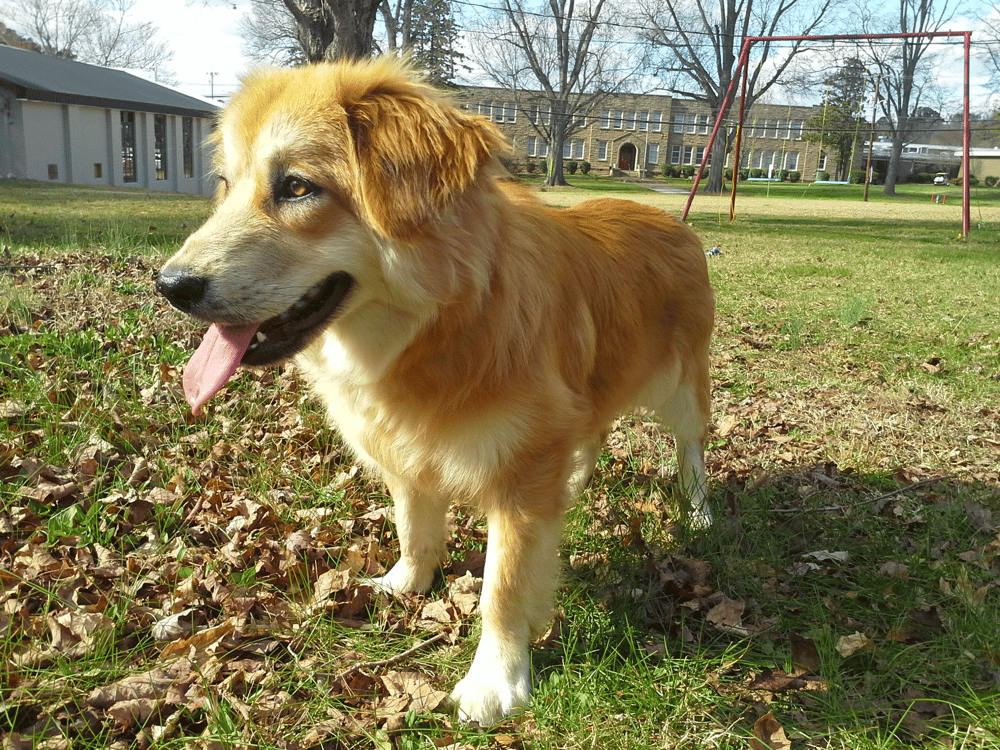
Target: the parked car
(941, 178)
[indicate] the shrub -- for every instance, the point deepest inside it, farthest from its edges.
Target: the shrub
(991, 181)
(795, 177)
(822, 175)
(744, 174)
(727, 175)
(530, 166)
(783, 175)
(756, 173)
(510, 165)
(857, 176)
(584, 167)
(571, 167)
(543, 166)
(688, 170)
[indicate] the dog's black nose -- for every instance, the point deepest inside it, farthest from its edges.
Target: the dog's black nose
(182, 289)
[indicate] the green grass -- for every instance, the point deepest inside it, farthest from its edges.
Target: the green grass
(857, 376)
(44, 216)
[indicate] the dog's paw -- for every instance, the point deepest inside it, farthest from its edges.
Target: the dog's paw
(404, 578)
(492, 691)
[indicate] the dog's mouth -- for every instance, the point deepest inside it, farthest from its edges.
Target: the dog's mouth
(285, 335)
(224, 348)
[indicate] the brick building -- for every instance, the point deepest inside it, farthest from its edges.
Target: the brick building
(637, 134)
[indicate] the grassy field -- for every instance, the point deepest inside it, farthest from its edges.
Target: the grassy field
(177, 582)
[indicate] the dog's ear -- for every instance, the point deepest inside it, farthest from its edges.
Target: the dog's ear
(415, 152)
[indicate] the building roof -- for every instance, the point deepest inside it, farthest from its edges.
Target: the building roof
(43, 78)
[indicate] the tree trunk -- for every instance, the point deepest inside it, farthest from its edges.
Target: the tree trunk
(334, 29)
(555, 175)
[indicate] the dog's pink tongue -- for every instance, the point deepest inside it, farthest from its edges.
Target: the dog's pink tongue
(215, 362)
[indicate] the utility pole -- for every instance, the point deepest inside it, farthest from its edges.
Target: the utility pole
(211, 78)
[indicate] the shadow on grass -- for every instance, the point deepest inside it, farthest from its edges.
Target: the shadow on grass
(852, 606)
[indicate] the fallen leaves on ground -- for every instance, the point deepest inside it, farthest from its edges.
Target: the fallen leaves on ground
(173, 583)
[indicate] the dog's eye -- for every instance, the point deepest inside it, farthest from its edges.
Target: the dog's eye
(295, 188)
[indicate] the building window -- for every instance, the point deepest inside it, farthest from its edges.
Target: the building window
(792, 161)
(602, 150)
(630, 120)
(655, 121)
(537, 146)
(766, 161)
(652, 153)
(98, 171)
(692, 123)
(795, 130)
(619, 119)
(606, 119)
(573, 149)
(688, 155)
(703, 121)
(128, 147)
(699, 155)
(679, 124)
(510, 111)
(187, 139)
(53, 171)
(821, 162)
(675, 154)
(642, 118)
(160, 146)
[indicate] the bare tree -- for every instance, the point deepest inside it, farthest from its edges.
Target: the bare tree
(906, 75)
(698, 43)
(301, 31)
(562, 51)
(270, 34)
(989, 50)
(118, 42)
(99, 32)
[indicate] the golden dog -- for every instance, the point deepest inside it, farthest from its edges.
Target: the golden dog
(469, 342)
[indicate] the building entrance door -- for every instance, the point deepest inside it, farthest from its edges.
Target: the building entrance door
(626, 157)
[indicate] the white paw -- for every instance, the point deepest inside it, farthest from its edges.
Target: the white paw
(496, 686)
(404, 578)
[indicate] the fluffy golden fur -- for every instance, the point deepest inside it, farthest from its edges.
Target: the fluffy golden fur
(484, 342)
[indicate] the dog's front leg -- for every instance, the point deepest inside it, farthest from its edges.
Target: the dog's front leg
(421, 523)
(518, 585)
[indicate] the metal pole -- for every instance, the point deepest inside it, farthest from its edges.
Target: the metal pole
(744, 57)
(966, 217)
(744, 54)
(871, 139)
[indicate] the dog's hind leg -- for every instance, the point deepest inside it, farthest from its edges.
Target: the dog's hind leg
(585, 463)
(684, 408)
(422, 529)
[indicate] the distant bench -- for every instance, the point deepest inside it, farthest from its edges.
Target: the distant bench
(831, 182)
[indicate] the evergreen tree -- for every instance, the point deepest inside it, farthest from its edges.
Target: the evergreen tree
(835, 126)
(434, 41)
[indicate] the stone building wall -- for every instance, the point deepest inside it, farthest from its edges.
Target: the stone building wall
(638, 134)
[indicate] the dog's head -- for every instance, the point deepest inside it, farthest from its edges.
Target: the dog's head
(326, 174)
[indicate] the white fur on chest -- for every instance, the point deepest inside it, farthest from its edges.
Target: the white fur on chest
(454, 455)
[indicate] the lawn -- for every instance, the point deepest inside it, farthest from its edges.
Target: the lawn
(174, 582)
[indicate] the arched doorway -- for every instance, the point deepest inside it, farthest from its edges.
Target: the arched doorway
(626, 157)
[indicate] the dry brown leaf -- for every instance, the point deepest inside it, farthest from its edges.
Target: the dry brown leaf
(329, 584)
(851, 644)
(768, 734)
(201, 645)
(76, 633)
(728, 613)
(152, 684)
